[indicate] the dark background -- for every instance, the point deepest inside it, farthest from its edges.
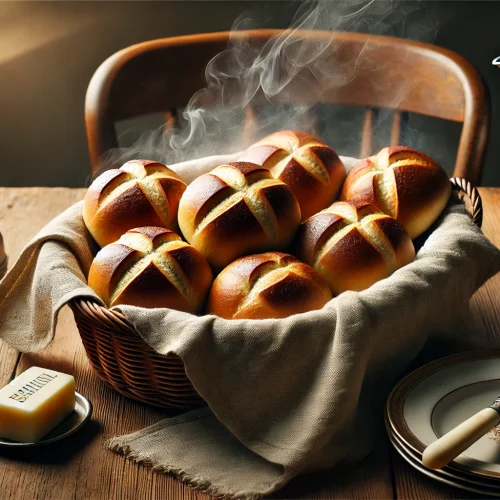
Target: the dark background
(49, 51)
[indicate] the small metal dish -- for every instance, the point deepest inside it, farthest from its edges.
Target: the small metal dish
(81, 415)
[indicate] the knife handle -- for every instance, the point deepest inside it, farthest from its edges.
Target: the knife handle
(449, 446)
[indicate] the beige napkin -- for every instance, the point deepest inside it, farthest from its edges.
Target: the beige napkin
(285, 396)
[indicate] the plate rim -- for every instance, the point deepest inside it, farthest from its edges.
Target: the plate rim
(397, 398)
(17, 444)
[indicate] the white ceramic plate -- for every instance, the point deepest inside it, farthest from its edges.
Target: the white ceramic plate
(437, 397)
(448, 479)
(81, 415)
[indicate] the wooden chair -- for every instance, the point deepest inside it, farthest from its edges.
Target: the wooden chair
(162, 75)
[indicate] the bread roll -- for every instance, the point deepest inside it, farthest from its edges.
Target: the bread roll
(352, 247)
(238, 209)
(403, 183)
(140, 193)
(151, 267)
(267, 285)
(310, 168)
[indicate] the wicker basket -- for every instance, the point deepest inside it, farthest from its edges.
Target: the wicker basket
(127, 364)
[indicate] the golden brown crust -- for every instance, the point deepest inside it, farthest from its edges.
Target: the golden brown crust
(353, 246)
(310, 168)
(403, 183)
(312, 237)
(112, 263)
(235, 210)
(398, 239)
(140, 193)
(352, 263)
(151, 267)
(268, 285)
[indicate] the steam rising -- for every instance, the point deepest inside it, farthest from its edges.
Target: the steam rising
(253, 90)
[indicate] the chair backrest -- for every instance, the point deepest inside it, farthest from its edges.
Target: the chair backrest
(162, 75)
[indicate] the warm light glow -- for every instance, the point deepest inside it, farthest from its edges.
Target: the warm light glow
(23, 31)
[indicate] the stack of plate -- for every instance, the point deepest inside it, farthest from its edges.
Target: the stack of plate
(436, 398)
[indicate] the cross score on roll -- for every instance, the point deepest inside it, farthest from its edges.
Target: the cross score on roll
(140, 193)
(309, 167)
(403, 183)
(151, 267)
(352, 246)
(267, 285)
(238, 210)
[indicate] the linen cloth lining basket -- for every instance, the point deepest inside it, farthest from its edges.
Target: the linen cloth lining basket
(124, 362)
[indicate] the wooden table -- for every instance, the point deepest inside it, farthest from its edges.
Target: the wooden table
(80, 467)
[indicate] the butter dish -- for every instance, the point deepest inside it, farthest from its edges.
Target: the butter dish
(40, 406)
(77, 419)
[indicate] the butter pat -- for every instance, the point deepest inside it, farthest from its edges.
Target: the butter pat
(34, 403)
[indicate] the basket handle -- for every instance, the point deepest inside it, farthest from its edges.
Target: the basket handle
(465, 191)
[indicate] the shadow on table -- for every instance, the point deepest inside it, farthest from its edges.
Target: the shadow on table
(58, 452)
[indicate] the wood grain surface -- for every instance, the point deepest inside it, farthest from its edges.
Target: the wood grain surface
(81, 468)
